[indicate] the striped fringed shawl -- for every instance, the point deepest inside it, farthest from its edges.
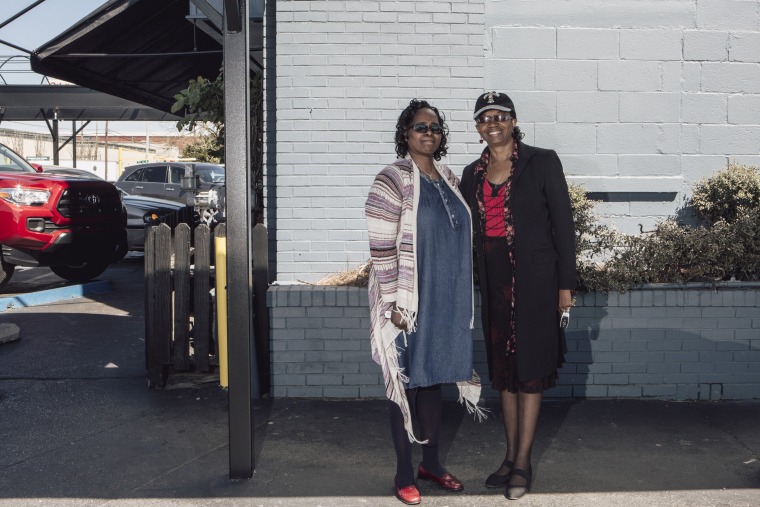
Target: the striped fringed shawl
(391, 212)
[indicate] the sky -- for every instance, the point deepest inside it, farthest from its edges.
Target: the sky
(33, 29)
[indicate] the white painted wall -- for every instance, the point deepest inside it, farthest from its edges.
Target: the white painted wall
(634, 95)
(345, 70)
(637, 95)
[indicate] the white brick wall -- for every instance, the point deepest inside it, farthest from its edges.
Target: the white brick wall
(654, 90)
(345, 70)
(645, 95)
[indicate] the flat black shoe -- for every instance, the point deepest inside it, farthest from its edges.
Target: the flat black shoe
(514, 491)
(496, 480)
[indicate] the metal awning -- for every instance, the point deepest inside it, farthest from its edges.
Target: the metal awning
(42, 102)
(144, 51)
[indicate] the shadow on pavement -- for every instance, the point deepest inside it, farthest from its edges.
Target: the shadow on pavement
(79, 426)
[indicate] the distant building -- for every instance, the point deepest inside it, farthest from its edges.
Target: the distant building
(91, 150)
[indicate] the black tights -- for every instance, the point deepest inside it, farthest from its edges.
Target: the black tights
(426, 405)
(520, 411)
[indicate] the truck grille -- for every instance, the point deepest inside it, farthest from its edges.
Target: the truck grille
(86, 202)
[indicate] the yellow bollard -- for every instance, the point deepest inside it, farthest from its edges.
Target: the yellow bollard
(220, 246)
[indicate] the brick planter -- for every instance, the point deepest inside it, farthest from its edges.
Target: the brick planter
(687, 342)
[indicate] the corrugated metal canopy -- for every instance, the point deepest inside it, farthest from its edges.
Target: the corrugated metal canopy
(144, 51)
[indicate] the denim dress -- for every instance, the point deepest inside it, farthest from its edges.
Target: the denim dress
(440, 350)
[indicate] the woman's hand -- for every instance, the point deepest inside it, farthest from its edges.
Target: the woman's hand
(565, 300)
(398, 319)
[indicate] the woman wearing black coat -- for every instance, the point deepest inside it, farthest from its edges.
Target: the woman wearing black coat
(525, 245)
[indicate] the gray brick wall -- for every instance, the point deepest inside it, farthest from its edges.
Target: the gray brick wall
(634, 96)
(345, 70)
(690, 343)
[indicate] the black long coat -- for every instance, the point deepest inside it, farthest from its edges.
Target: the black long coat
(544, 247)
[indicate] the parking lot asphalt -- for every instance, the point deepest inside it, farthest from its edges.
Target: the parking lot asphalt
(79, 427)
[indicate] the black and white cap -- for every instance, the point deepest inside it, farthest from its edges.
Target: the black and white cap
(494, 100)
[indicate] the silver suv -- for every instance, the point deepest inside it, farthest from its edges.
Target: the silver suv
(197, 184)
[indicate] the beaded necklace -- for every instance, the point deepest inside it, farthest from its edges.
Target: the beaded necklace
(480, 173)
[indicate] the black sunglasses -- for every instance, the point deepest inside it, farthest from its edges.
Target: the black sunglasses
(497, 118)
(423, 129)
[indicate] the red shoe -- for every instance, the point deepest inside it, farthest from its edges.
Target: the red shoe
(447, 481)
(410, 495)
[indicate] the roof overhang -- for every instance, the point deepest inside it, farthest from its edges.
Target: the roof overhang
(144, 51)
(65, 102)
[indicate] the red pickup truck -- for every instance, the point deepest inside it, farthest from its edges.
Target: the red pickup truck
(75, 226)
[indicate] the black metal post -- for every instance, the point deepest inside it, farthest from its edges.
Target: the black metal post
(237, 100)
(74, 144)
(56, 148)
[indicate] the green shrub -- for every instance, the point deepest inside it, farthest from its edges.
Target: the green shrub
(586, 222)
(726, 193)
(595, 243)
(726, 248)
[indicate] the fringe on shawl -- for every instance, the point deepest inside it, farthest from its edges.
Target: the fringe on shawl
(386, 353)
(410, 317)
(394, 381)
(469, 395)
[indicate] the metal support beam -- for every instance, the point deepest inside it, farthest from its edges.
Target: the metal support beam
(56, 139)
(73, 138)
(35, 102)
(235, 11)
(53, 133)
(57, 145)
(21, 13)
(75, 132)
(237, 100)
(214, 17)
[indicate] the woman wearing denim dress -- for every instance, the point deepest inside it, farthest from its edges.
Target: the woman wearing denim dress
(525, 245)
(421, 293)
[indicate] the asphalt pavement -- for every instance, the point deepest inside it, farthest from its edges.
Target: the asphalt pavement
(79, 427)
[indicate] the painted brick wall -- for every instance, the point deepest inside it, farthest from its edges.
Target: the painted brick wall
(695, 344)
(345, 70)
(635, 96)
(644, 96)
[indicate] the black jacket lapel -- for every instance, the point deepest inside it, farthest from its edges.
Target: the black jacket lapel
(524, 153)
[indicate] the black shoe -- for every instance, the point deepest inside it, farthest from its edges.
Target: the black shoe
(514, 491)
(496, 480)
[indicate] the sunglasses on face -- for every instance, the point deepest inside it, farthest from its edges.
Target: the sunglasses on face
(421, 128)
(496, 117)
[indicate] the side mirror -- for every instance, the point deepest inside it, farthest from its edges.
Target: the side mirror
(151, 218)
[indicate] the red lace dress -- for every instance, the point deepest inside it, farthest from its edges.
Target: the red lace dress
(498, 240)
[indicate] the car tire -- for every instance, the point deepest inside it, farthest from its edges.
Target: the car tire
(122, 249)
(83, 272)
(6, 271)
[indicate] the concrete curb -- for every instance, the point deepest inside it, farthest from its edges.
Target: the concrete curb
(9, 332)
(52, 295)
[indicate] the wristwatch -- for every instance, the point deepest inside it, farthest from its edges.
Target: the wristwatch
(388, 314)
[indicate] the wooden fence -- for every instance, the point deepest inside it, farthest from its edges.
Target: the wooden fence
(178, 308)
(180, 330)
